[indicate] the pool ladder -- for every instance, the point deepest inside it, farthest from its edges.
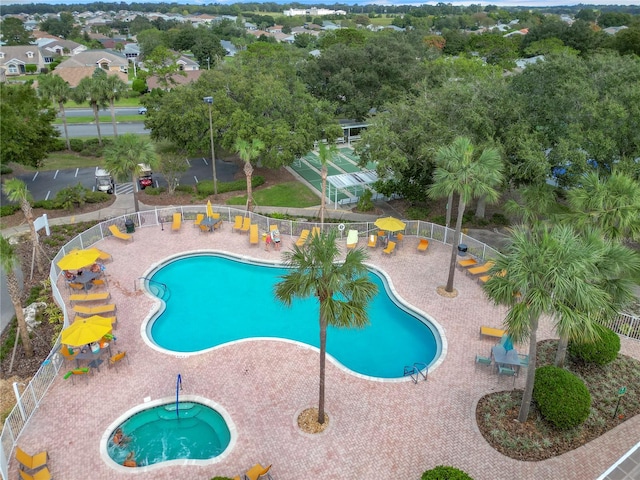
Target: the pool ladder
(164, 291)
(416, 371)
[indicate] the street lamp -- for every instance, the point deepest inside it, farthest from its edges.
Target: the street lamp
(209, 101)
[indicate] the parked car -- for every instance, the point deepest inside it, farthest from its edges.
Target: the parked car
(104, 181)
(145, 179)
(142, 110)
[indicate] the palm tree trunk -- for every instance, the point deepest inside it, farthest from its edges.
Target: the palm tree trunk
(64, 122)
(35, 239)
(323, 201)
(96, 115)
(113, 117)
(14, 293)
(248, 171)
(323, 358)
(454, 247)
(134, 177)
(531, 369)
(481, 207)
(561, 352)
(449, 209)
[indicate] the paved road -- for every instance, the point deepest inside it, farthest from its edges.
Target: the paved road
(106, 129)
(84, 112)
(44, 185)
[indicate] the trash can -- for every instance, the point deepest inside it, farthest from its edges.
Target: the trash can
(462, 249)
(129, 225)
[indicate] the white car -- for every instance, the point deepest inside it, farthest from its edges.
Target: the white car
(142, 110)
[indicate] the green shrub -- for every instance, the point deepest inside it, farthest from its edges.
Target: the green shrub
(71, 197)
(188, 188)
(602, 351)
(77, 144)
(139, 86)
(153, 190)
(439, 219)
(96, 197)
(499, 219)
(5, 170)
(6, 210)
(47, 205)
(364, 202)
(221, 478)
(442, 472)
(563, 399)
(416, 212)
(57, 145)
(30, 68)
(205, 188)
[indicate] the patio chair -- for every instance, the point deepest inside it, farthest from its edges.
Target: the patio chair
(237, 224)
(97, 310)
(481, 269)
(177, 222)
(482, 360)
(68, 353)
(352, 239)
(199, 219)
(204, 228)
(253, 234)
(114, 360)
(508, 372)
(86, 371)
(118, 234)
(373, 241)
(391, 246)
(423, 245)
(273, 227)
(492, 332)
(302, 239)
(30, 463)
(216, 216)
(258, 472)
(246, 225)
(99, 282)
(467, 262)
(76, 286)
(89, 297)
(42, 474)
(524, 359)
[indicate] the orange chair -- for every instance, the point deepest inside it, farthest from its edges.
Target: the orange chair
(31, 463)
(423, 245)
(42, 474)
(390, 248)
(117, 358)
(258, 471)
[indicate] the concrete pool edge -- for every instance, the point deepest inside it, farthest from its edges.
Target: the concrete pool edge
(146, 405)
(159, 305)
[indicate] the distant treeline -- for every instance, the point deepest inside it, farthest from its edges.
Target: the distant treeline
(237, 8)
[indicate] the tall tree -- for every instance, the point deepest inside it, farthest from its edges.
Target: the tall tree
(172, 163)
(113, 89)
(123, 159)
(26, 125)
(57, 90)
(461, 171)
(249, 152)
(343, 290)
(16, 191)
(92, 90)
(326, 153)
(9, 261)
(545, 271)
(13, 32)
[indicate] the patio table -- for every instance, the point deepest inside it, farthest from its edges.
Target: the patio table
(94, 359)
(210, 223)
(86, 278)
(509, 358)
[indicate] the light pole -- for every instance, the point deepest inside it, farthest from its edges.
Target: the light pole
(209, 101)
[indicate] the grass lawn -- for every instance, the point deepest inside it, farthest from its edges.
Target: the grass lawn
(123, 102)
(62, 160)
(289, 194)
(103, 119)
(537, 439)
(382, 21)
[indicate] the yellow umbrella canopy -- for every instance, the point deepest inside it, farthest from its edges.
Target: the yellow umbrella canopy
(79, 259)
(97, 320)
(102, 255)
(83, 332)
(209, 209)
(390, 224)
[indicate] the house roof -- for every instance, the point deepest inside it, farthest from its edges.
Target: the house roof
(19, 54)
(91, 58)
(75, 74)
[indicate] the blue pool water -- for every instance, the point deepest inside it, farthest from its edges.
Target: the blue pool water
(216, 299)
(159, 435)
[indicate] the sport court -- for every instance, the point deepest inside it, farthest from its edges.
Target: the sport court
(349, 180)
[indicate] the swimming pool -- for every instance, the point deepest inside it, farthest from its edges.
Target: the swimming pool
(216, 299)
(170, 432)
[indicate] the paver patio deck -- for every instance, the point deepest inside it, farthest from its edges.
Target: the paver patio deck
(378, 430)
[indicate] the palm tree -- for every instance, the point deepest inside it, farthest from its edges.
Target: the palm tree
(343, 289)
(249, 152)
(92, 89)
(611, 204)
(113, 89)
(58, 90)
(460, 171)
(326, 154)
(9, 261)
(17, 192)
(124, 157)
(547, 271)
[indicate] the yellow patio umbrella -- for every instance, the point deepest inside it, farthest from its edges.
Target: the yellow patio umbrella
(79, 258)
(83, 332)
(97, 320)
(209, 209)
(102, 255)
(390, 224)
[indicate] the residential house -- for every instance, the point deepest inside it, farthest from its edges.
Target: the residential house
(84, 64)
(229, 47)
(274, 29)
(60, 47)
(187, 64)
(14, 60)
(131, 50)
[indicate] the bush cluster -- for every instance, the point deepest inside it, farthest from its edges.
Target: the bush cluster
(205, 188)
(604, 350)
(6, 210)
(69, 198)
(563, 399)
(442, 472)
(5, 170)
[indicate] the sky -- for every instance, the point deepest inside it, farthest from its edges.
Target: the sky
(523, 3)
